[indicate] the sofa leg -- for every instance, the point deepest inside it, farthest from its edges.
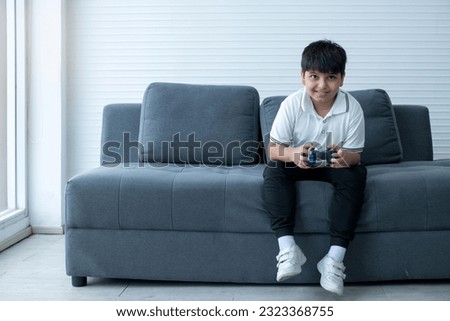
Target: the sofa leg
(78, 281)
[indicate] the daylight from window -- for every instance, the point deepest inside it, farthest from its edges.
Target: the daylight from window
(3, 115)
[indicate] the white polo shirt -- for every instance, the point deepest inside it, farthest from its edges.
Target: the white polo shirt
(297, 123)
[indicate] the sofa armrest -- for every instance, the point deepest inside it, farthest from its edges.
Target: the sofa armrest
(120, 134)
(413, 122)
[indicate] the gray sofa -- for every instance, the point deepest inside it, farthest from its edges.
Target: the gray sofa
(179, 194)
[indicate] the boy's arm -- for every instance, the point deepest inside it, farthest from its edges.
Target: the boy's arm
(297, 155)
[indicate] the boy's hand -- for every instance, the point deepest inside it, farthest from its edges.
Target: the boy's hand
(343, 159)
(297, 155)
(301, 155)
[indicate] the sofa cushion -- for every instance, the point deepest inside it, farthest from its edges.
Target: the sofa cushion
(268, 111)
(169, 197)
(382, 138)
(401, 197)
(199, 124)
(406, 196)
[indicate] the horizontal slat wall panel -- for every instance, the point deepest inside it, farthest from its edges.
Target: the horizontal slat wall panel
(116, 48)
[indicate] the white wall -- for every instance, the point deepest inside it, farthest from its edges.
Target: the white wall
(45, 115)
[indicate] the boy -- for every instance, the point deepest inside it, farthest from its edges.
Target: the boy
(317, 117)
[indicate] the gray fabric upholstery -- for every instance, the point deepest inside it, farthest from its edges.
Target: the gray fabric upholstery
(413, 123)
(137, 198)
(212, 124)
(408, 197)
(216, 202)
(120, 133)
(201, 222)
(268, 112)
(383, 145)
(249, 257)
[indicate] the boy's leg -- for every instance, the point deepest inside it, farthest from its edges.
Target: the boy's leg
(279, 196)
(349, 184)
(280, 199)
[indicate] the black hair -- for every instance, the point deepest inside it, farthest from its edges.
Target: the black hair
(324, 56)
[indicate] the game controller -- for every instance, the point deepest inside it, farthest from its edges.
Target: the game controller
(320, 158)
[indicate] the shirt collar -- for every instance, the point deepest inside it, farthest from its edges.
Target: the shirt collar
(340, 105)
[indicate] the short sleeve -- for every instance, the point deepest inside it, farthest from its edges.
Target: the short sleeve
(283, 125)
(356, 133)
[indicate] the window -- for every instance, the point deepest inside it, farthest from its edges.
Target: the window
(3, 115)
(13, 216)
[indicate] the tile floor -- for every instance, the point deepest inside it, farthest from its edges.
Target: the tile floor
(34, 270)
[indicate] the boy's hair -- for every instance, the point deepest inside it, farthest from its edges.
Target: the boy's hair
(324, 56)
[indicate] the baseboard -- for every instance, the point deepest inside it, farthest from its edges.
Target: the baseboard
(48, 229)
(19, 236)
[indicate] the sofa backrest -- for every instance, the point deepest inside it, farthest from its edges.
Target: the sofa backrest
(121, 129)
(414, 128)
(120, 133)
(200, 124)
(383, 141)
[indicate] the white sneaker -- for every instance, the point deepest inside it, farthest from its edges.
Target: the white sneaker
(333, 276)
(290, 262)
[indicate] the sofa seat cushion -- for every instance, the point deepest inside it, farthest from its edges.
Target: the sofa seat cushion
(169, 197)
(408, 196)
(405, 196)
(200, 124)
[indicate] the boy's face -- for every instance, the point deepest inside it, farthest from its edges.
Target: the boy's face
(322, 87)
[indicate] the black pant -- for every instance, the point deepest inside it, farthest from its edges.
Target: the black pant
(280, 197)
